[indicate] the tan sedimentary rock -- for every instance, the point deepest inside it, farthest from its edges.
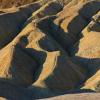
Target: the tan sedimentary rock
(33, 62)
(11, 23)
(54, 62)
(88, 52)
(72, 20)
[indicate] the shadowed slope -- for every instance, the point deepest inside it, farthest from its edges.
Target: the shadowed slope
(60, 63)
(11, 23)
(71, 21)
(45, 54)
(82, 96)
(16, 66)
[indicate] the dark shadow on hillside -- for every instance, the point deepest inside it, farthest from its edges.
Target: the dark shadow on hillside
(91, 65)
(60, 71)
(77, 24)
(89, 9)
(58, 34)
(39, 93)
(47, 44)
(12, 23)
(41, 56)
(13, 92)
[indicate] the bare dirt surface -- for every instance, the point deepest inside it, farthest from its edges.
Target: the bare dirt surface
(50, 49)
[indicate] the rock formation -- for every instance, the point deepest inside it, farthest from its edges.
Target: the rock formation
(49, 48)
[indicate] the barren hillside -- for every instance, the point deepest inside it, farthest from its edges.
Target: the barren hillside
(50, 49)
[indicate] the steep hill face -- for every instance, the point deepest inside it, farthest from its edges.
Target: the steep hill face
(16, 3)
(89, 50)
(50, 48)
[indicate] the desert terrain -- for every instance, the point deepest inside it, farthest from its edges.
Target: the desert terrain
(49, 49)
